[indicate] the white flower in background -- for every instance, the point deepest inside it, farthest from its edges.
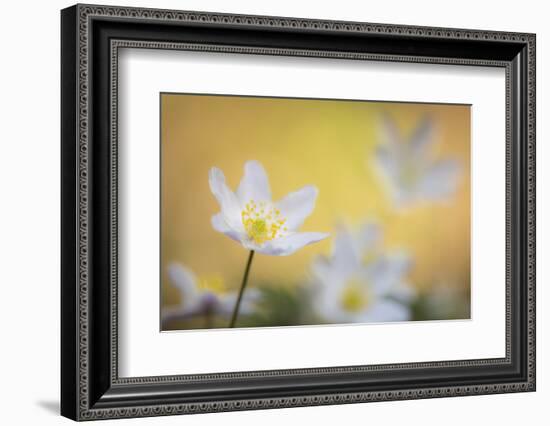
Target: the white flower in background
(358, 284)
(204, 297)
(408, 167)
(250, 217)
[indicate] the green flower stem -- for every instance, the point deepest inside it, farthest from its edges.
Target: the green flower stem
(241, 291)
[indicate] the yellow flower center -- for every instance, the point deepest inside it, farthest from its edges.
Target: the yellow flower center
(262, 222)
(213, 283)
(355, 298)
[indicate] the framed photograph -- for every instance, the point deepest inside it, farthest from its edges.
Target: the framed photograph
(263, 212)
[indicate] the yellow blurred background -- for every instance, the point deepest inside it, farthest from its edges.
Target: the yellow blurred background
(327, 143)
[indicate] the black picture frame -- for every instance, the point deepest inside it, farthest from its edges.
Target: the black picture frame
(90, 38)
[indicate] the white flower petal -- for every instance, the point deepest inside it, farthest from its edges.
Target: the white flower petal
(346, 259)
(389, 133)
(325, 274)
(297, 206)
(289, 244)
(386, 160)
(403, 293)
(385, 311)
(326, 295)
(220, 225)
(229, 204)
(326, 290)
(388, 166)
(367, 237)
(387, 273)
(440, 180)
(321, 268)
(254, 185)
(250, 244)
(250, 298)
(421, 139)
(185, 280)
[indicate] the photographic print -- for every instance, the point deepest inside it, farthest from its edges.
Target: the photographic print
(298, 212)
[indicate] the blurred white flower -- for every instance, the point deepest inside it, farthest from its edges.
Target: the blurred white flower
(358, 284)
(206, 298)
(408, 168)
(251, 218)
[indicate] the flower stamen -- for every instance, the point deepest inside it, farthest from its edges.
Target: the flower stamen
(354, 298)
(262, 222)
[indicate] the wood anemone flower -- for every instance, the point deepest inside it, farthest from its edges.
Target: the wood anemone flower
(408, 167)
(359, 284)
(203, 300)
(250, 217)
